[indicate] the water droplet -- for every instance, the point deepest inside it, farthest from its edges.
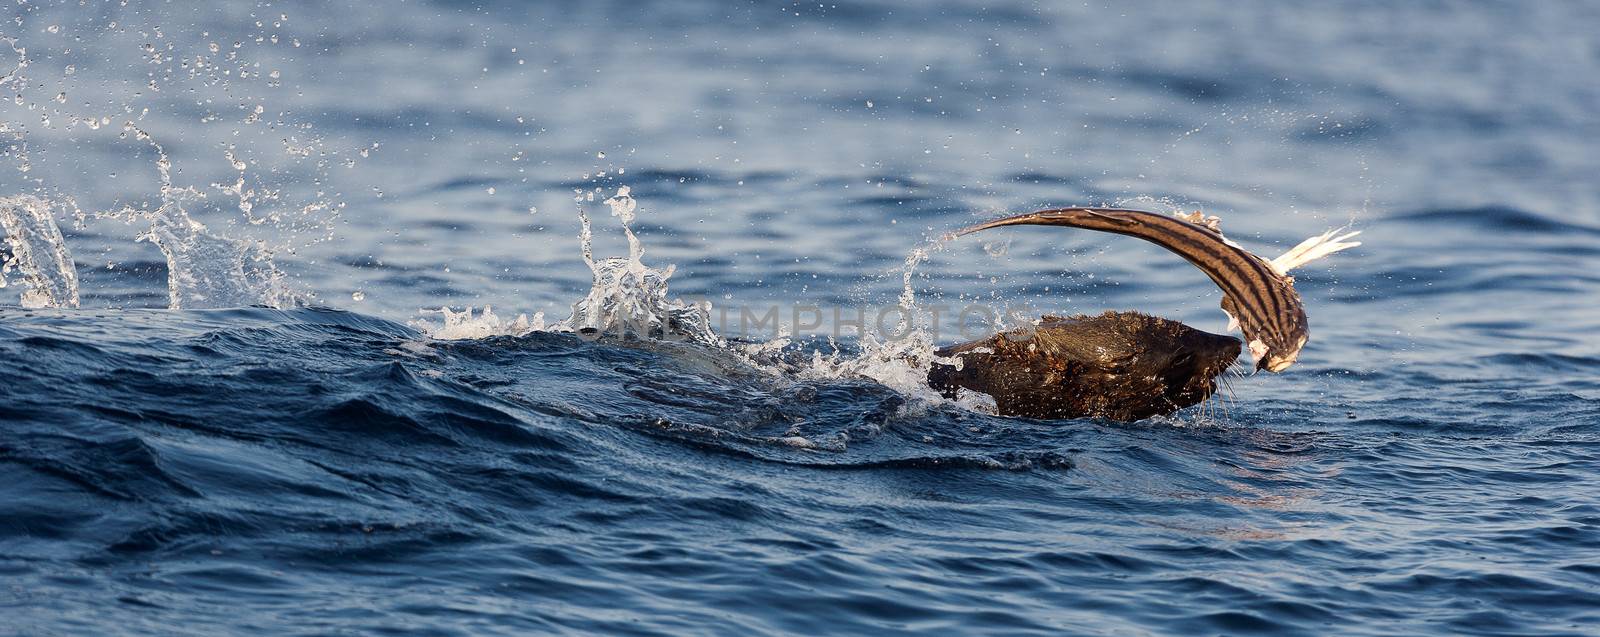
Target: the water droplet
(358, 295)
(54, 28)
(601, 154)
(489, 190)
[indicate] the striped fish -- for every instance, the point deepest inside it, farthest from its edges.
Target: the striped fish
(1258, 295)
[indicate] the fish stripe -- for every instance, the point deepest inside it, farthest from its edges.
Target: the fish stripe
(1182, 233)
(1250, 293)
(1263, 299)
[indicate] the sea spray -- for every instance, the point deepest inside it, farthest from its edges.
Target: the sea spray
(467, 325)
(228, 260)
(204, 269)
(38, 253)
(901, 360)
(629, 298)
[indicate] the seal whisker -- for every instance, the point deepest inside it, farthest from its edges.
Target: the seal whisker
(1228, 386)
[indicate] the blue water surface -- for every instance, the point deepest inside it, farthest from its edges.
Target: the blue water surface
(1431, 465)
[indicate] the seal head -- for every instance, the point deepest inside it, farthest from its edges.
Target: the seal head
(1258, 295)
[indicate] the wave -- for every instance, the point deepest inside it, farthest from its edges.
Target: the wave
(1497, 218)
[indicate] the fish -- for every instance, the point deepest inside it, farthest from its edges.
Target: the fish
(1258, 295)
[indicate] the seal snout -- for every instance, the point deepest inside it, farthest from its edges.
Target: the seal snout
(1202, 358)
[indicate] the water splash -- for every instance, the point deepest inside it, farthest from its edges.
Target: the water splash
(231, 264)
(204, 269)
(466, 325)
(628, 298)
(13, 82)
(39, 253)
(901, 361)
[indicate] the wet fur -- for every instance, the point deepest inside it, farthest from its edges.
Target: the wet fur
(1119, 365)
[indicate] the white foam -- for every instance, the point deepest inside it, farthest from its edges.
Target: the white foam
(629, 299)
(901, 363)
(466, 325)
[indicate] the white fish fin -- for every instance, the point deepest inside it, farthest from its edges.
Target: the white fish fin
(1312, 249)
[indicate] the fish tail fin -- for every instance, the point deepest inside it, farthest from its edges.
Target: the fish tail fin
(1314, 248)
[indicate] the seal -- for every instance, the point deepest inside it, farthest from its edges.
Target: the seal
(1126, 365)
(1119, 365)
(1258, 295)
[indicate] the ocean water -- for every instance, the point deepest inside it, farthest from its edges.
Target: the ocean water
(232, 401)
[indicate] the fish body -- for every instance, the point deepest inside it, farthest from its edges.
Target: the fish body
(1258, 295)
